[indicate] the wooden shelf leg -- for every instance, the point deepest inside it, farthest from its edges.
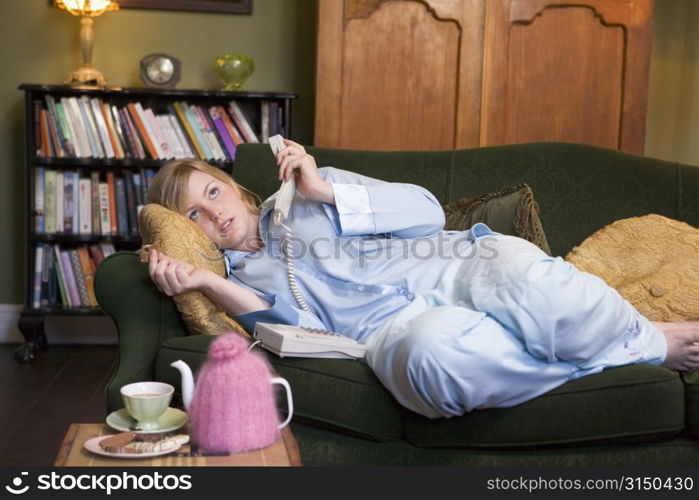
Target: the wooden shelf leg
(32, 328)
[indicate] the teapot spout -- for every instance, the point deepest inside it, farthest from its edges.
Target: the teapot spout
(187, 381)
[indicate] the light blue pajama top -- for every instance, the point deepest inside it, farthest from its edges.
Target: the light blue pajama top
(357, 263)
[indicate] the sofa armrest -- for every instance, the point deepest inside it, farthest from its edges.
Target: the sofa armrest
(144, 318)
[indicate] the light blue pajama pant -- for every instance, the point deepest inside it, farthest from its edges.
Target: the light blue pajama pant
(503, 328)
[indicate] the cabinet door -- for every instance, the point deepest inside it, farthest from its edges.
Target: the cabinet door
(566, 71)
(396, 75)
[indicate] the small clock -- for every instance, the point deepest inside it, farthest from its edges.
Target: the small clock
(160, 71)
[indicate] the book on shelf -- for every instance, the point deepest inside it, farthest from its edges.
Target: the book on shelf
(95, 253)
(208, 133)
(65, 127)
(184, 120)
(60, 203)
(232, 131)
(101, 128)
(49, 282)
(96, 227)
(140, 128)
(140, 194)
(88, 269)
(39, 182)
(67, 277)
(241, 121)
(131, 207)
(38, 267)
(205, 151)
(69, 202)
(85, 204)
(120, 197)
(223, 133)
(105, 215)
(50, 178)
(264, 121)
(79, 276)
(107, 248)
(111, 130)
(113, 214)
(92, 134)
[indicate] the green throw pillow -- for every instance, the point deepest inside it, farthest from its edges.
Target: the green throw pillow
(512, 211)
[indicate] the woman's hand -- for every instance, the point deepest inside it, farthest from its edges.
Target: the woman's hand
(293, 160)
(172, 276)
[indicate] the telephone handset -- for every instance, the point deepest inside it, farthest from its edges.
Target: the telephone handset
(282, 206)
(286, 192)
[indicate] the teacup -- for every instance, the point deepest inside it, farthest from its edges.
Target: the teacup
(146, 402)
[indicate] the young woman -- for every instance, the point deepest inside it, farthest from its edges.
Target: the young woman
(452, 320)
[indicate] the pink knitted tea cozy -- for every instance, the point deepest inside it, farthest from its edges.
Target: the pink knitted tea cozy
(234, 407)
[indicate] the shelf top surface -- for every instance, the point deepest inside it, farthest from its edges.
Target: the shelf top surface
(152, 92)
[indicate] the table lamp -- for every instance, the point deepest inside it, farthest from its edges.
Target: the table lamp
(86, 75)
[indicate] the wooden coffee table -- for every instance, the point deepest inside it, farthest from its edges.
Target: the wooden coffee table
(284, 452)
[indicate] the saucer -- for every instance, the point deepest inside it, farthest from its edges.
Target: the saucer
(93, 445)
(169, 421)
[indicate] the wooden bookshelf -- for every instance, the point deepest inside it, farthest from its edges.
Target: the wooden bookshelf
(64, 141)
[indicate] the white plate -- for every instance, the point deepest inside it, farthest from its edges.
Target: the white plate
(93, 445)
(171, 420)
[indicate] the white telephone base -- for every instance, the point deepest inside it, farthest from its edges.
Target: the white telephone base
(295, 341)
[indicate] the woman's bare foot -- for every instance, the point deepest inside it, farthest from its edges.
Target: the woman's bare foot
(682, 344)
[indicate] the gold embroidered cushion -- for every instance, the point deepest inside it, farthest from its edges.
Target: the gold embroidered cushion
(179, 238)
(511, 210)
(652, 261)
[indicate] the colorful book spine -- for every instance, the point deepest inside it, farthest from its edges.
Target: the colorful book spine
(131, 207)
(120, 196)
(38, 268)
(223, 132)
(67, 129)
(39, 181)
(208, 133)
(194, 125)
(113, 215)
(69, 279)
(92, 133)
(69, 223)
(60, 277)
(88, 268)
(105, 215)
(142, 131)
(233, 132)
(50, 201)
(184, 121)
(60, 194)
(85, 205)
(242, 122)
(79, 276)
(95, 201)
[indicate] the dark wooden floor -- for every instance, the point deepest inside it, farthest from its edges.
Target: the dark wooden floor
(39, 400)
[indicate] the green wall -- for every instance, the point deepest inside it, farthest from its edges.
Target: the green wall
(672, 126)
(40, 44)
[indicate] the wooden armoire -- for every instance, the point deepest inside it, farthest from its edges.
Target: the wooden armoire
(443, 74)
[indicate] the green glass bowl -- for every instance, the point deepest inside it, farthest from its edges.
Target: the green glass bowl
(234, 69)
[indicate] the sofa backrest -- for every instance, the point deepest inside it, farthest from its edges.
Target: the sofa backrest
(579, 188)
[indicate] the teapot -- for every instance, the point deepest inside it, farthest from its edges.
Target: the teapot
(233, 407)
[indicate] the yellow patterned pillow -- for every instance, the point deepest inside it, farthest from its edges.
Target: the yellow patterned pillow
(179, 238)
(652, 261)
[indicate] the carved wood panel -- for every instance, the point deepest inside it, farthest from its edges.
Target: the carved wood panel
(395, 74)
(564, 71)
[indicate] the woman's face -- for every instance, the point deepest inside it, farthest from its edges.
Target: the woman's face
(217, 209)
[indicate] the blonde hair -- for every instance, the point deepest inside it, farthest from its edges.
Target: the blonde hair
(169, 186)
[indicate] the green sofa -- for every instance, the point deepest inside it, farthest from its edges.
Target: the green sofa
(343, 416)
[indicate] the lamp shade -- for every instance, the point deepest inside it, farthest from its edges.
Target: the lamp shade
(87, 8)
